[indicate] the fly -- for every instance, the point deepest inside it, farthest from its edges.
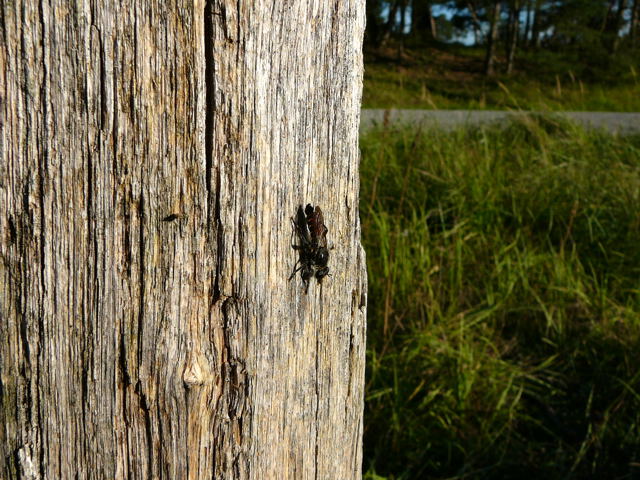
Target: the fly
(304, 265)
(318, 231)
(313, 254)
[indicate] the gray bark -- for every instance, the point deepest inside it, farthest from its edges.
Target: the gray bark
(152, 155)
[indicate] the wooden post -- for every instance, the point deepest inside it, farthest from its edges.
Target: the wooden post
(152, 155)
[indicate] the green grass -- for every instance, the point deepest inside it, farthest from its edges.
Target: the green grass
(450, 77)
(504, 302)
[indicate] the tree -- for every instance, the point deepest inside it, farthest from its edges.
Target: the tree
(514, 31)
(492, 40)
(527, 23)
(422, 19)
(617, 23)
(633, 25)
(152, 156)
(401, 27)
(475, 20)
(536, 24)
(374, 23)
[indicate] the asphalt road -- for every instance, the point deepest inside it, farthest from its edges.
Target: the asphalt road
(622, 123)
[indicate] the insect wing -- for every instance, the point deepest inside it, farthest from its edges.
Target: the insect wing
(320, 228)
(305, 249)
(318, 231)
(302, 227)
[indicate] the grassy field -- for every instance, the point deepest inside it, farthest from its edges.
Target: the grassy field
(450, 77)
(504, 303)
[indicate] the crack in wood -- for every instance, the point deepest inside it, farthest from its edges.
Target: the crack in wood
(141, 279)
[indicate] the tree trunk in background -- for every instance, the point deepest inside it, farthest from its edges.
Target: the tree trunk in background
(492, 40)
(403, 14)
(618, 22)
(514, 30)
(527, 26)
(422, 20)
(475, 21)
(152, 156)
(633, 29)
(607, 26)
(535, 26)
(372, 32)
(391, 21)
(401, 28)
(433, 26)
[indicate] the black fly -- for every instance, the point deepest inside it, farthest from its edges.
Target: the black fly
(304, 248)
(318, 231)
(313, 254)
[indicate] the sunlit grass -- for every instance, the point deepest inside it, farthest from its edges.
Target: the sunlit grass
(504, 302)
(546, 82)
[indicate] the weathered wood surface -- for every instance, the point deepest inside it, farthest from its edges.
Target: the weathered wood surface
(152, 154)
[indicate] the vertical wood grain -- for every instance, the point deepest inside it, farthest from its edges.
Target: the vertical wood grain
(151, 157)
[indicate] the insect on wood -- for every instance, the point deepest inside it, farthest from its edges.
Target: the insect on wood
(313, 254)
(318, 231)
